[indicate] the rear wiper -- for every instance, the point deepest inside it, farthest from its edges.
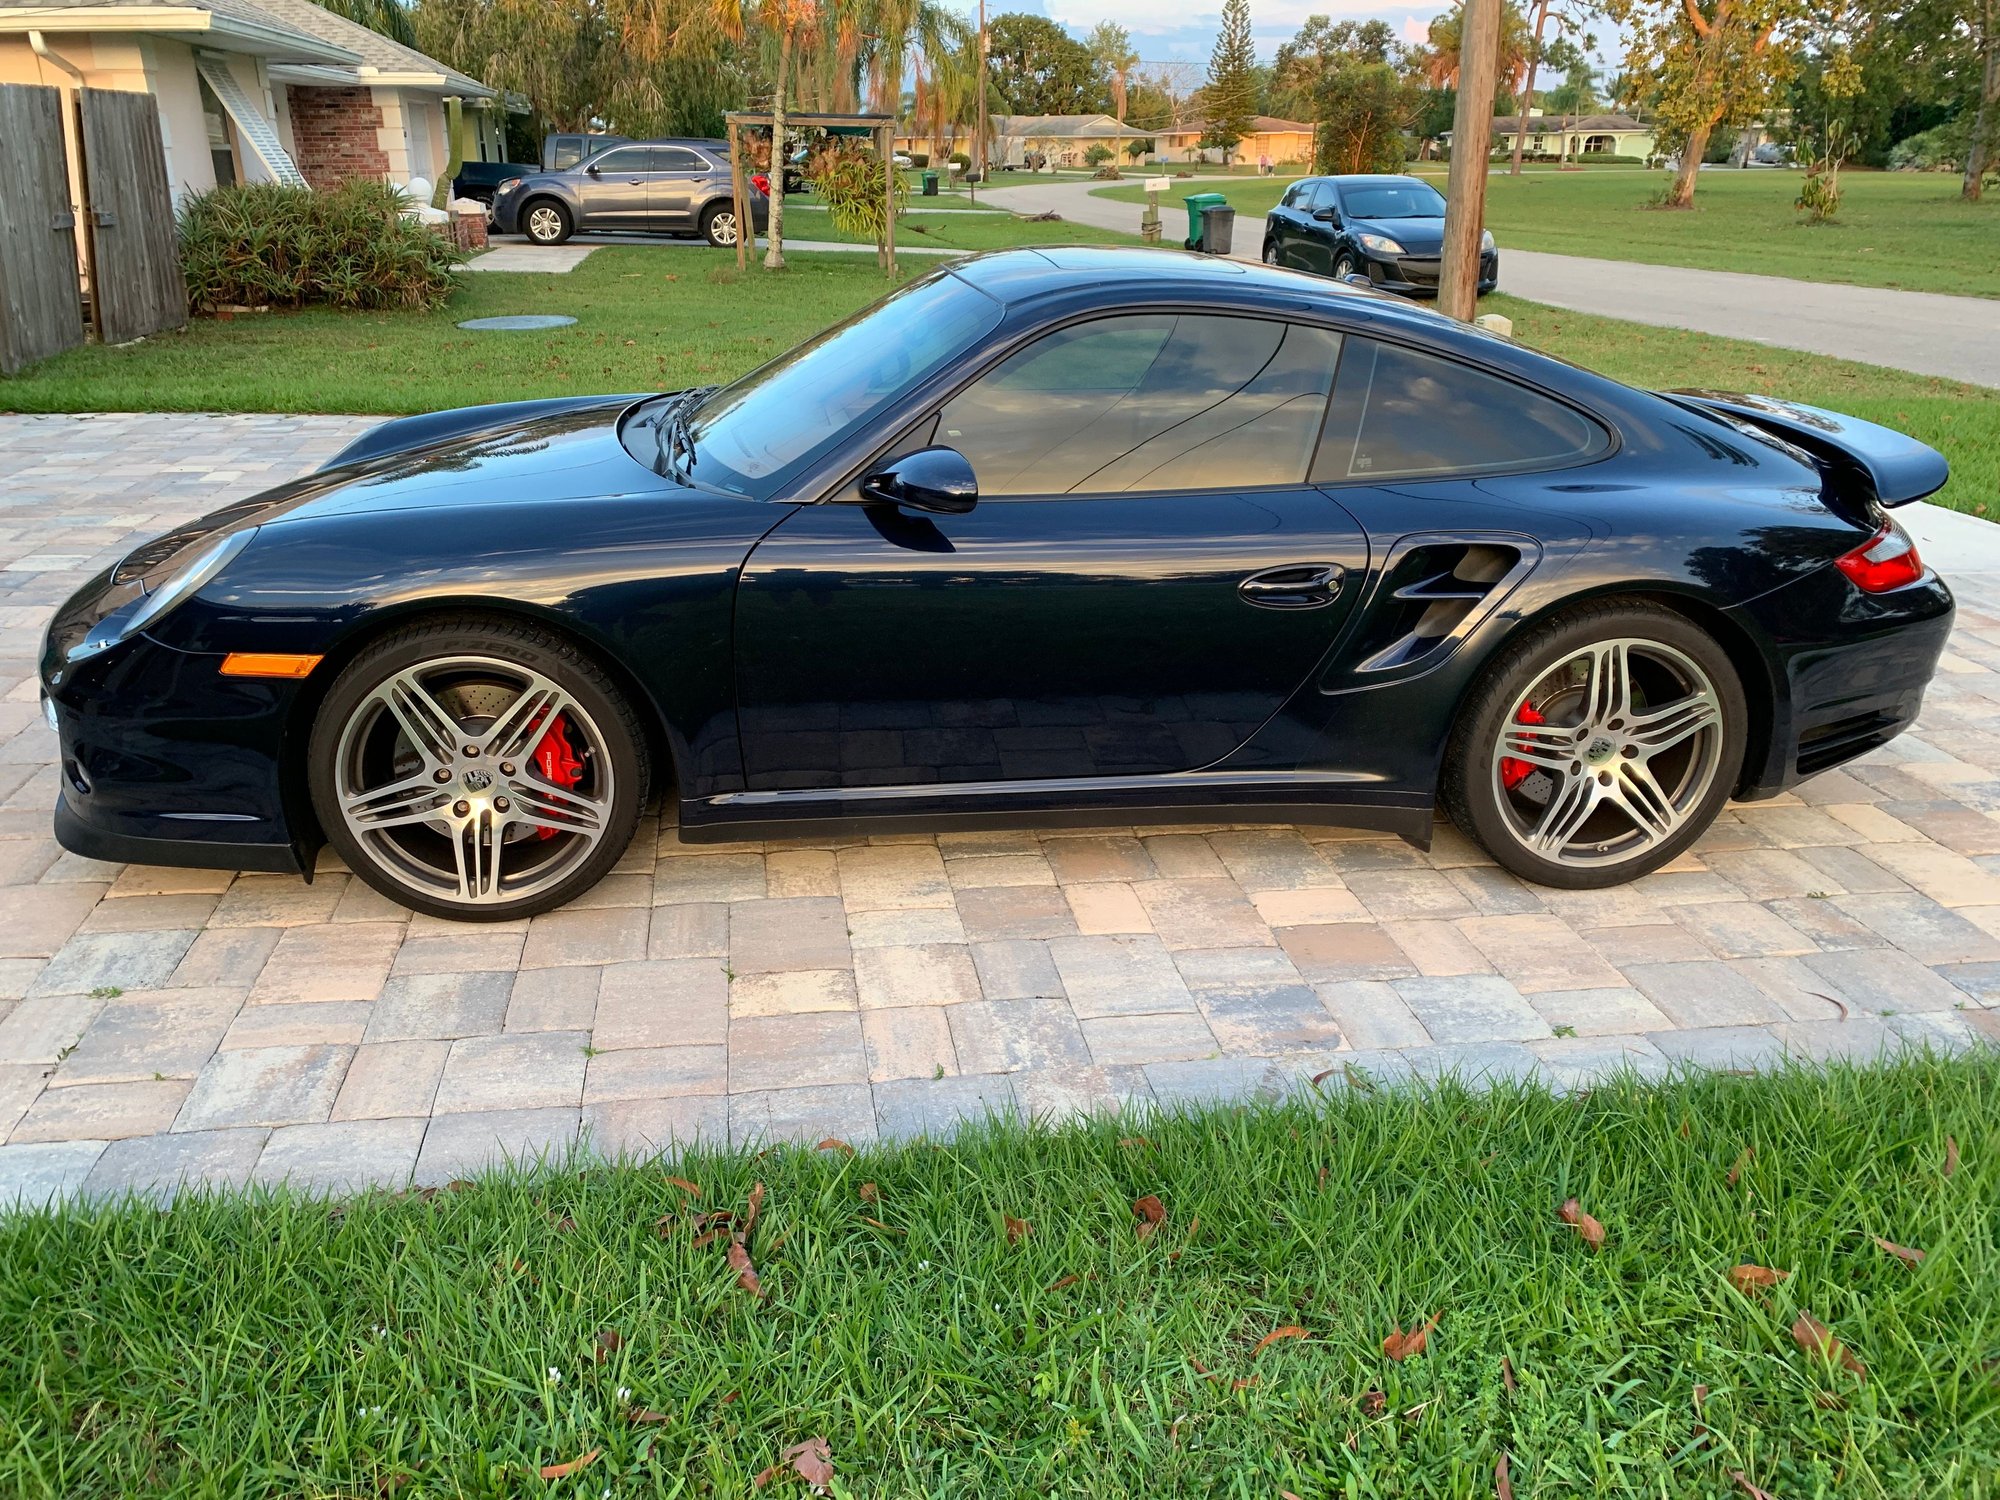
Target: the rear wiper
(676, 435)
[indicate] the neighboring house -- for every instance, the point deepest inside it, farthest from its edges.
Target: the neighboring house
(1282, 140)
(1065, 140)
(277, 90)
(1576, 135)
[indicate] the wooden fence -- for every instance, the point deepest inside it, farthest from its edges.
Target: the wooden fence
(129, 270)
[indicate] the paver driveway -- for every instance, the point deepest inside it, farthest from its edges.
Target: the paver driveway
(157, 1025)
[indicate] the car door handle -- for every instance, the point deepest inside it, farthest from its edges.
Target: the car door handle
(1294, 586)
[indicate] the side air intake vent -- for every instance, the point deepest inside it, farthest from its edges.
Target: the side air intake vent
(1433, 591)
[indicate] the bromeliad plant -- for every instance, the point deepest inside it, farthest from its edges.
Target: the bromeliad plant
(269, 245)
(849, 182)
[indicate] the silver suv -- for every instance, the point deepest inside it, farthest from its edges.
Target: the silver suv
(667, 187)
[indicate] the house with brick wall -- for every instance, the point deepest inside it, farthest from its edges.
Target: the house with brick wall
(270, 91)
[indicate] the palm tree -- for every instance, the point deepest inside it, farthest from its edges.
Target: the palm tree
(386, 16)
(1517, 45)
(785, 23)
(947, 76)
(1111, 45)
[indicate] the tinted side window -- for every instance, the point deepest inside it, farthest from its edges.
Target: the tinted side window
(630, 159)
(1324, 196)
(1297, 193)
(1400, 414)
(566, 152)
(1157, 402)
(677, 159)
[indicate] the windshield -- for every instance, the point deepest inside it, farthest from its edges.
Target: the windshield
(750, 437)
(1415, 200)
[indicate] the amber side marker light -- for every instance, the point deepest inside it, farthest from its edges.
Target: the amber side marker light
(267, 664)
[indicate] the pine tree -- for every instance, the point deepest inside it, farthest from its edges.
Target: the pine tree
(1229, 102)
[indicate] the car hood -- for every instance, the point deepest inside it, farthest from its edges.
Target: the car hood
(1418, 236)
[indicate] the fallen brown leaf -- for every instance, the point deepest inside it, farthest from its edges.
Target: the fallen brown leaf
(1742, 1162)
(1747, 1279)
(708, 1237)
(1322, 1076)
(878, 1224)
(1152, 1214)
(834, 1143)
(1829, 1401)
(1373, 1403)
(1583, 1224)
(1815, 1337)
(1286, 1495)
(1136, 1140)
(685, 1186)
(563, 1471)
(1950, 1155)
(811, 1460)
(1017, 1229)
(1056, 1286)
(1502, 1485)
(563, 1223)
(1700, 1427)
(869, 1193)
(460, 1185)
(746, 1273)
(1322, 1179)
(1401, 1346)
(1243, 1384)
(1507, 1373)
(1200, 1368)
(639, 1416)
(609, 1342)
(751, 1209)
(1754, 1491)
(1289, 1331)
(1903, 1253)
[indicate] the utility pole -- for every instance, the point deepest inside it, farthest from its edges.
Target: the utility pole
(1471, 146)
(979, 138)
(1528, 94)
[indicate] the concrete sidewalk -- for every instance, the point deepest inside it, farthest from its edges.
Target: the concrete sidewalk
(1954, 337)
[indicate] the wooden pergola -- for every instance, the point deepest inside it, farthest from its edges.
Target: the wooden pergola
(881, 127)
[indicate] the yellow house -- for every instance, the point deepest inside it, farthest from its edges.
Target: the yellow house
(1285, 142)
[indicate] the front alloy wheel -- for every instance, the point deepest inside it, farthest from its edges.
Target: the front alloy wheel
(718, 226)
(546, 223)
(490, 773)
(1590, 757)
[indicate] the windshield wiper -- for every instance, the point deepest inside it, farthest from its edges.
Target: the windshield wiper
(676, 435)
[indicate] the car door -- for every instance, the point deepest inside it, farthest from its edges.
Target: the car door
(679, 175)
(1285, 221)
(1316, 243)
(1146, 578)
(614, 187)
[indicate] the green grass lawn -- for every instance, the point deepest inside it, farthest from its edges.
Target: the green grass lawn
(918, 228)
(984, 1318)
(651, 319)
(1896, 229)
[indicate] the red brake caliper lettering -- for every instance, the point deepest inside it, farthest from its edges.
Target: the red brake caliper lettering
(558, 763)
(1514, 772)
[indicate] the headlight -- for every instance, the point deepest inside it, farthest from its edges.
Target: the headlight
(506, 187)
(166, 589)
(1486, 244)
(1381, 244)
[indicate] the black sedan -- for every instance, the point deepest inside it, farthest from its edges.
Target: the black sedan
(1084, 535)
(1389, 229)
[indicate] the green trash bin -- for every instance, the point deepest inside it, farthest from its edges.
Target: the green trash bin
(1196, 202)
(930, 185)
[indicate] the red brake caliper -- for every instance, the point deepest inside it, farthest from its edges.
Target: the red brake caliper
(1514, 772)
(557, 762)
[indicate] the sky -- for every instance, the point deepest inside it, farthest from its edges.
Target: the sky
(1184, 30)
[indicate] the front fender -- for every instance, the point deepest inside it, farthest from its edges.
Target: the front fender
(402, 434)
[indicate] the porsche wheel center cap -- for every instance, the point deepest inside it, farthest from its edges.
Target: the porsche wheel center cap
(477, 780)
(1597, 752)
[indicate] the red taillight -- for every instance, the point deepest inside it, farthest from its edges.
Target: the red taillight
(761, 183)
(1887, 560)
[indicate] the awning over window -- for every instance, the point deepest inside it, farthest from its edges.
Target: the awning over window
(258, 133)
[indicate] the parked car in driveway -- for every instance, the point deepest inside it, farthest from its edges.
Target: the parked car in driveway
(665, 187)
(1096, 534)
(480, 180)
(1387, 228)
(563, 149)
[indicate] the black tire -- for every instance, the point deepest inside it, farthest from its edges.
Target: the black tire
(1345, 265)
(545, 221)
(1270, 256)
(718, 225)
(1473, 791)
(619, 736)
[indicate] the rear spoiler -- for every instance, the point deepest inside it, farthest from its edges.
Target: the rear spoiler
(1895, 467)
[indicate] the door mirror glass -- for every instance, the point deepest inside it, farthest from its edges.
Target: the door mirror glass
(1327, 216)
(933, 479)
(593, 170)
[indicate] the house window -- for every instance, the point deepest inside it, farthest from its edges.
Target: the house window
(1602, 144)
(221, 144)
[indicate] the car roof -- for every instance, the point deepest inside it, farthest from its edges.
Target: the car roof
(1374, 179)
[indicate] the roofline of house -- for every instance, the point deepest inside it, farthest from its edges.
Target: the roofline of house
(434, 82)
(229, 33)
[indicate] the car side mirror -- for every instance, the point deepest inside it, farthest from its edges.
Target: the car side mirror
(591, 170)
(938, 480)
(1328, 216)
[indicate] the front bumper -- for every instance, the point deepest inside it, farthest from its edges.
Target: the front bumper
(1417, 275)
(1853, 670)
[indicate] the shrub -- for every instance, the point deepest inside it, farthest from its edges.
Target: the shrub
(267, 245)
(1097, 155)
(919, 159)
(960, 160)
(849, 182)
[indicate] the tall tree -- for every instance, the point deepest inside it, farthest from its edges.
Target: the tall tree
(1229, 100)
(1364, 109)
(1983, 20)
(780, 25)
(386, 16)
(1321, 45)
(1716, 63)
(1111, 45)
(1040, 69)
(1517, 45)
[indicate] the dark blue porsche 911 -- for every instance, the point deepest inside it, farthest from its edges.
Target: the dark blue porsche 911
(1078, 535)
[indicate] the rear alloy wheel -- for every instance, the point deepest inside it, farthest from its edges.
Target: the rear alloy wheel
(477, 769)
(546, 222)
(1599, 748)
(718, 227)
(1345, 266)
(1270, 252)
